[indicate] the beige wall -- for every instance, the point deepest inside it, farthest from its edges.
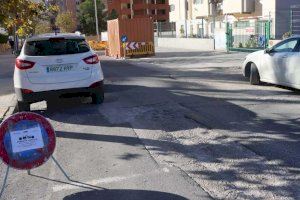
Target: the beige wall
(182, 10)
(187, 43)
(201, 10)
(179, 12)
(232, 6)
(239, 6)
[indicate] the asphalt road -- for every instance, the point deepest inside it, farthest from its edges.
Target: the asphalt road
(180, 125)
(103, 159)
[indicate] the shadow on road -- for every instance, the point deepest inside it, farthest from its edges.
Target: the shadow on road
(272, 139)
(124, 195)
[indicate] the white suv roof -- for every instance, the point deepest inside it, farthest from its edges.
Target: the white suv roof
(57, 35)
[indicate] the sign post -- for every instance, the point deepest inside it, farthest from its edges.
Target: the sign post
(124, 39)
(27, 141)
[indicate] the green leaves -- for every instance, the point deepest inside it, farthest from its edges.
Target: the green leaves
(23, 14)
(66, 22)
(87, 16)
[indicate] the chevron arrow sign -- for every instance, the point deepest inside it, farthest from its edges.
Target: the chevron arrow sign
(132, 45)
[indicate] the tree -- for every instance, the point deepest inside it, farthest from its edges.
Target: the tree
(87, 17)
(112, 15)
(43, 27)
(23, 15)
(66, 22)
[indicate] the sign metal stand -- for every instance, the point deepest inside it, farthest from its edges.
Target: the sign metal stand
(29, 173)
(22, 127)
(27, 141)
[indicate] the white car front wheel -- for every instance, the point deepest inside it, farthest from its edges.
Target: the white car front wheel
(254, 75)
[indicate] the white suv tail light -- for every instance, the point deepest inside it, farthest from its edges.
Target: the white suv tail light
(24, 64)
(91, 59)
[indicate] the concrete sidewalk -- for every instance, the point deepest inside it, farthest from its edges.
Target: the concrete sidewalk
(7, 97)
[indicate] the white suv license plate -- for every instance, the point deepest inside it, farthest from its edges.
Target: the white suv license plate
(59, 68)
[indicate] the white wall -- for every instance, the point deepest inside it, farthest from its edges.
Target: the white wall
(201, 10)
(187, 43)
(180, 10)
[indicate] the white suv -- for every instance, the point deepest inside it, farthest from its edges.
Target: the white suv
(55, 65)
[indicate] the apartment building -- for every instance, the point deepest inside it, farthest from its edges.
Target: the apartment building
(245, 12)
(249, 11)
(181, 12)
(158, 10)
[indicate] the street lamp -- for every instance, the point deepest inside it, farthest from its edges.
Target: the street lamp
(96, 16)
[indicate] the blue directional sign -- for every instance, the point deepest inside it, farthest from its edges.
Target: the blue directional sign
(124, 38)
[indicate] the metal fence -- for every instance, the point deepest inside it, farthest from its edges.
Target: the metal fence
(247, 36)
(165, 29)
(181, 29)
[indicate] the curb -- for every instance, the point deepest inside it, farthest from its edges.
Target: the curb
(8, 112)
(3, 112)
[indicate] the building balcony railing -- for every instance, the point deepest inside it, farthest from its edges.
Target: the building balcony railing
(238, 6)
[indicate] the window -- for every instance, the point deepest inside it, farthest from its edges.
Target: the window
(56, 46)
(286, 46)
(242, 24)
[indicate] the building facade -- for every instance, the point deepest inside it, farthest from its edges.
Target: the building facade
(187, 25)
(238, 12)
(158, 10)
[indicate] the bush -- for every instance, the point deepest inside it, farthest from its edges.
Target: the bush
(95, 45)
(287, 35)
(3, 38)
(252, 42)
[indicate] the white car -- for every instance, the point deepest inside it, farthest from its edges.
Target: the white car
(57, 65)
(279, 65)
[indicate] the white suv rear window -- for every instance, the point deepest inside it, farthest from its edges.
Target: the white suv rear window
(55, 46)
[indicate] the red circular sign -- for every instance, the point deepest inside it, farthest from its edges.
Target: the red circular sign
(27, 140)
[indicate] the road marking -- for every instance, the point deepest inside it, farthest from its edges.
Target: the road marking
(96, 182)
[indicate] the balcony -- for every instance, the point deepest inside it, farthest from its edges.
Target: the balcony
(238, 6)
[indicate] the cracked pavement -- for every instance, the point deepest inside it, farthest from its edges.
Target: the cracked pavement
(180, 125)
